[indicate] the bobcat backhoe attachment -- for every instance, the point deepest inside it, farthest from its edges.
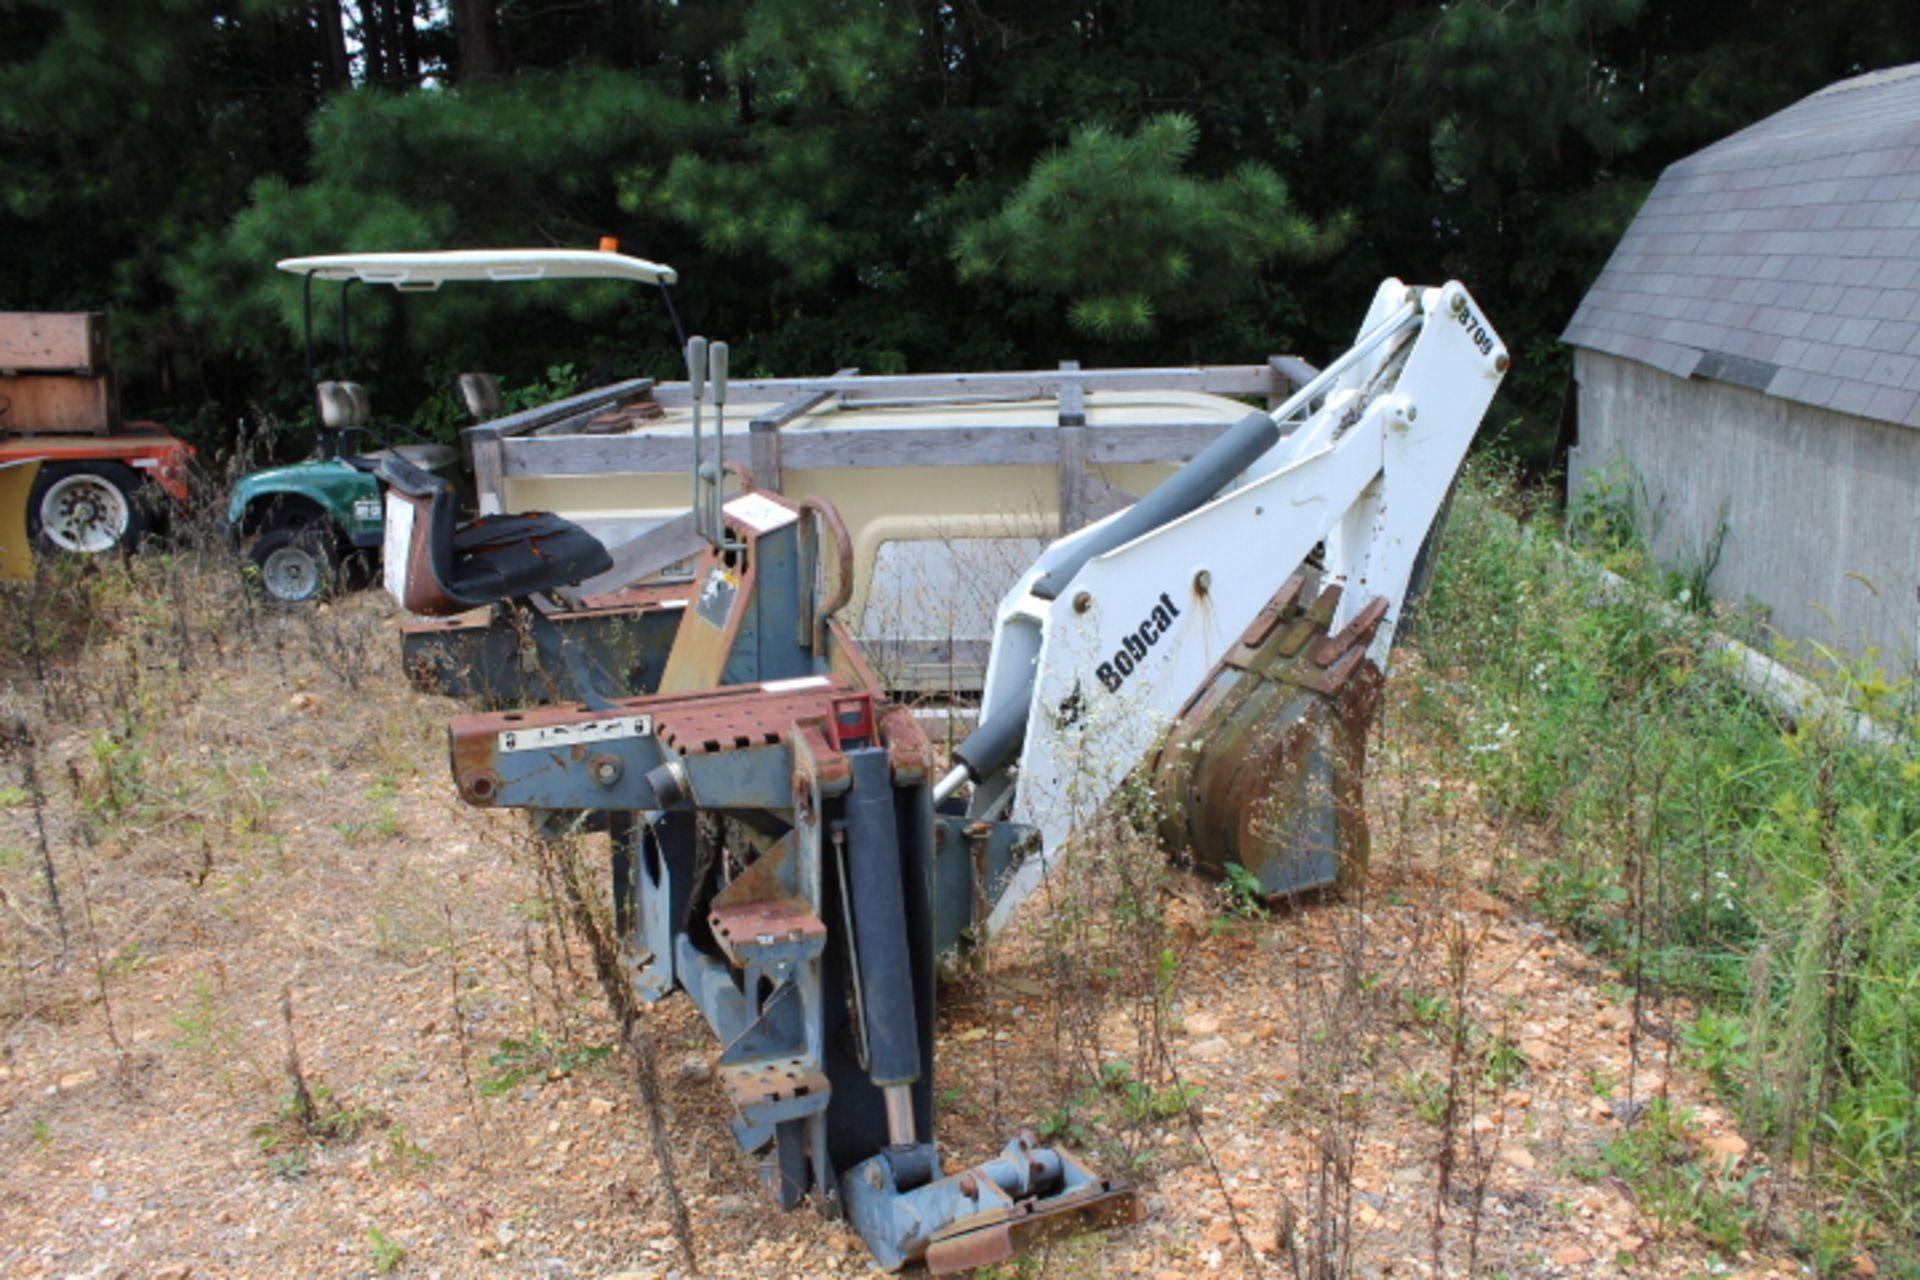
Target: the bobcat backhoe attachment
(1228, 632)
(786, 848)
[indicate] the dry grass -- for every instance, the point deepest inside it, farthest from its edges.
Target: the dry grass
(1409, 1073)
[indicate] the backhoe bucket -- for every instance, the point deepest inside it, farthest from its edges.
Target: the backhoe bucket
(16, 486)
(1263, 768)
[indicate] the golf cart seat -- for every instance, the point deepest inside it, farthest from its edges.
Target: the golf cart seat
(437, 567)
(344, 408)
(427, 457)
(343, 405)
(480, 393)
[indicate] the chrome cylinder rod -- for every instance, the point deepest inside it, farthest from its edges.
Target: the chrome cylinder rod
(900, 1128)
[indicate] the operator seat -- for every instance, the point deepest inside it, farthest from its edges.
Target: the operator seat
(444, 568)
(345, 409)
(480, 392)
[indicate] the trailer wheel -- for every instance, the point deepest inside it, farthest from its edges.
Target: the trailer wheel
(85, 508)
(297, 563)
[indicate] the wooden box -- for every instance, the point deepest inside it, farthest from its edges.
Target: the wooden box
(47, 404)
(53, 342)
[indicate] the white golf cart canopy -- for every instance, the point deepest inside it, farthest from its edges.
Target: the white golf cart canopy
(428, 270)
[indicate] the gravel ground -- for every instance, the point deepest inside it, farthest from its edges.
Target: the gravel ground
(477, 1124)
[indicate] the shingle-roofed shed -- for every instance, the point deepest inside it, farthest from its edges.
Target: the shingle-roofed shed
(1750, 356)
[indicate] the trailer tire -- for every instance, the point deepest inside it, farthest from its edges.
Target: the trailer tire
(85, 508)
(295, 563)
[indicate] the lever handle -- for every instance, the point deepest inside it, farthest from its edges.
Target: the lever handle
(717, 371)
(697, 367)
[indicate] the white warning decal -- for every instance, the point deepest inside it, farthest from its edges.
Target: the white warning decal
(759, 513)
(795, 683)
(567, 735)
(396, 547)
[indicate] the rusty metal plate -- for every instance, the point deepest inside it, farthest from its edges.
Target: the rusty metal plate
(1002, 1234)
(765, 924)
(701, 722)
(714, 720)
(753, 1084)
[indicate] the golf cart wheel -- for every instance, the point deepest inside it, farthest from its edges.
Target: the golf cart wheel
(296, 563)
(85, 508)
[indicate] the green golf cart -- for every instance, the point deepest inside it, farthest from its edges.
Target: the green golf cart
(297, 524)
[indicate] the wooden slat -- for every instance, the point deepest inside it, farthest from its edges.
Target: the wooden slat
(801, 404)
(921, 447)
(763, 456)
(1072, 464)
(764, 432)
(1073, 397)
(1037, 384)
(1170, 442)
(487, 456)
(822, 448)
(585, 404)
(484, 440)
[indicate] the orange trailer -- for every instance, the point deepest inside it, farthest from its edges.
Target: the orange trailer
(101, 481)
(95, 492)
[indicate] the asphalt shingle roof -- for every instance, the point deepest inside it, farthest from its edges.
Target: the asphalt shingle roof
(1785, 258)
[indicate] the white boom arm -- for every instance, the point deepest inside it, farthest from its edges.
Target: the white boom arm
(1100, 669)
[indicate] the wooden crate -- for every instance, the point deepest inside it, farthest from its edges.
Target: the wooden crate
(45, 404)
(53, 342)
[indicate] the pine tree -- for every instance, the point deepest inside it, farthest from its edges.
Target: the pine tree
(1114, 226)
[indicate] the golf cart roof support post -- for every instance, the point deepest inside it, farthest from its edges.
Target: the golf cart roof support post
(328, 442)
(346, 339)
(306, 322)
(673, 314)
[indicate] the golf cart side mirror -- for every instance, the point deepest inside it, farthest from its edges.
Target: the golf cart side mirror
(480, 392)
(342, 405)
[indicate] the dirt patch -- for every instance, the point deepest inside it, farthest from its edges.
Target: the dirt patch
(1415, 1080)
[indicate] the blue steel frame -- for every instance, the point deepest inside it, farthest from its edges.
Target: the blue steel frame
(746, 761)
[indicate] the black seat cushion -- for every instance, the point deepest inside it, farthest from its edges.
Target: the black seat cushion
(502, 556)
(496, 557)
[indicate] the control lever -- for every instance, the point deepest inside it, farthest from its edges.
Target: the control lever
(697, 389)
(717, 375)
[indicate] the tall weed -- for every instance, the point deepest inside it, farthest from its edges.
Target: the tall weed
(1769, 868)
